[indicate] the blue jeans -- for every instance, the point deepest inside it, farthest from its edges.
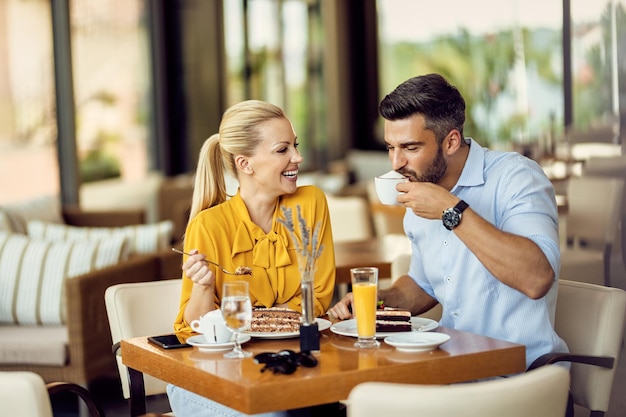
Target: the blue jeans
(187, 404)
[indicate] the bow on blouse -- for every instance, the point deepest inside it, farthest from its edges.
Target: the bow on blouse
(265, 247)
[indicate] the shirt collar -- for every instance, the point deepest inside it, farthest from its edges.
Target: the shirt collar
(472, 174)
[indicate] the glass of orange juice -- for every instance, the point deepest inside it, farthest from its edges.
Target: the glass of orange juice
(365, 297)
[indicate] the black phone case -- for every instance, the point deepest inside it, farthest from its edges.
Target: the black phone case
(168, 341)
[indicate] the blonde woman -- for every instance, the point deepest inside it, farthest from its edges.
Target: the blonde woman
(257, 145)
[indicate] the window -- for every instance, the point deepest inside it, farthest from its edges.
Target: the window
(28, 160)
(274, 51)
(111, 86)
(506, 63)
(598, 34)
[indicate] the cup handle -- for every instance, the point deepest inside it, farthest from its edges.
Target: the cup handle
(195, 325)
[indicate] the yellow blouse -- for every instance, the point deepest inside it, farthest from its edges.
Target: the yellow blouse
(226, 235)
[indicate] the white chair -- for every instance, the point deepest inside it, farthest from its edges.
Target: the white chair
(591, 227)
(25, 394)
(540, 393)
(142, 309)
(612, 167)
(349, 218)
(590, 318)
(399, 267)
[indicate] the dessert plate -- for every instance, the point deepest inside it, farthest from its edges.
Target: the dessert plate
(419, 324)
(322, 324)
(200, 342)
(417, 341)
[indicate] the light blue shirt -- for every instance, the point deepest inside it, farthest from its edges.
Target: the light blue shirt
(513, 193)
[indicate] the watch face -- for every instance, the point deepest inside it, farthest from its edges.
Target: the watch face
(451, 218)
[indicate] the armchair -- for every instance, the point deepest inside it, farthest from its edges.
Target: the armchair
(590, 318)
(591, 228)
(540, 393)
(78, 349)
(141, 309)
(85, 340)
(25, 394)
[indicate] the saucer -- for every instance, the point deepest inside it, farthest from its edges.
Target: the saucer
(417, 341)
(201, 343)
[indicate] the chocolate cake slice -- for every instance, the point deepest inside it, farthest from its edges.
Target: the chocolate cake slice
(393, 315)
(393, 320)
(393, 326)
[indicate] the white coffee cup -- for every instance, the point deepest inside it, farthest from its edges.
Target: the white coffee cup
(212, 326)
(386, 187)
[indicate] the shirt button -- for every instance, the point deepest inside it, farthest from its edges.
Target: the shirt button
(448, 279)
(445, 243)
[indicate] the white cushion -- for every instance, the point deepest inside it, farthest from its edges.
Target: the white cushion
(33, 345)
(33, 274)
(143, 238)
(46, 209)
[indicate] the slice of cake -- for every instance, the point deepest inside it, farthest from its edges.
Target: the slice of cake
(389, 320)
(393, 315)
(275, 320)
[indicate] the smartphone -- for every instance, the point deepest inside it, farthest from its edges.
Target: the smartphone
(169, 341)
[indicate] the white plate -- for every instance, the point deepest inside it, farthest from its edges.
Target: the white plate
(322, 324)
(200, 342)
(419, 324)
(417, 341)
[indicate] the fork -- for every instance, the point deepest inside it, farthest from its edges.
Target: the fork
(244, 271)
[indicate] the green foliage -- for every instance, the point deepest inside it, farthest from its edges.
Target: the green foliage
(481, 66)
(592, 89)
(99, 165)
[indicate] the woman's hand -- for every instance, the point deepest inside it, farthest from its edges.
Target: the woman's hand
(343, 309)
(197, 270)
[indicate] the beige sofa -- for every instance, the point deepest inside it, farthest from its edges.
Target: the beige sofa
(78, 349)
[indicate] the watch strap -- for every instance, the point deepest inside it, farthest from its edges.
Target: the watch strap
(461, 206)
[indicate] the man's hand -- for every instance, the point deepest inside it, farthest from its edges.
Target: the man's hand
(425, 199)
(343, 309)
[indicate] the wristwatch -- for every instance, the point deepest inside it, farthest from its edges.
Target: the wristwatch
(451, 217)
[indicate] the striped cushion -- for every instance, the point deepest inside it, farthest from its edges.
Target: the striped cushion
(143, 238)
(46, 209)
(33, 274)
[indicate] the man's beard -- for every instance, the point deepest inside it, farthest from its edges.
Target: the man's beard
(433, 173)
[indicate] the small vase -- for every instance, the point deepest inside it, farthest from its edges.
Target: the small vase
(308, 310)
(309, 331)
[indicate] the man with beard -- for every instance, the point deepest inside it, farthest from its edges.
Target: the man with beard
(483, 224)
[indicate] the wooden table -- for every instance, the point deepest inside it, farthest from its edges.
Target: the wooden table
(376, 252)
(238, 383)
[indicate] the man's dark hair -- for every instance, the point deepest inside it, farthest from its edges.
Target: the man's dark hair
(430, 95)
